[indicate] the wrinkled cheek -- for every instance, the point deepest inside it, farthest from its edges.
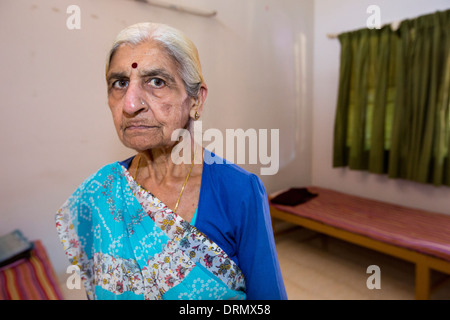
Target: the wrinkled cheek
(166, 109)
(118, 125)
(171, 115)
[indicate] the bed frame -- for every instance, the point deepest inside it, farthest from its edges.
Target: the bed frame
(417, 236)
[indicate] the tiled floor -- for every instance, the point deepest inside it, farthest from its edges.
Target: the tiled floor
(316, 267)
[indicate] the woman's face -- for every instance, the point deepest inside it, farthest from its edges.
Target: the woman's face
(146, 96)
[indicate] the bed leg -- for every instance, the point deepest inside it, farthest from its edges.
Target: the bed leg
(422, 281)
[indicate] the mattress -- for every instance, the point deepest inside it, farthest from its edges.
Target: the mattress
(420, 230)
(30, 279)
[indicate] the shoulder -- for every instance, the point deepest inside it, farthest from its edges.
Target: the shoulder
(231, 177)
(224, 168)
(97, 178)
(87, 193)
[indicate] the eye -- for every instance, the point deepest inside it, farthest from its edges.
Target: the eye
(120, 84)
(157, 82)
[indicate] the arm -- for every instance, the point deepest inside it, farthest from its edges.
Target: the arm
(256, 248)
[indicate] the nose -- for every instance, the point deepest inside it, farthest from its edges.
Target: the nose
(134, 103)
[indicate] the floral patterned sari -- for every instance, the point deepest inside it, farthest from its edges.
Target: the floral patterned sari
(130, 245)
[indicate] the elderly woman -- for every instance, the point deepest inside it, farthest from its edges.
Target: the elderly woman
(150, 227)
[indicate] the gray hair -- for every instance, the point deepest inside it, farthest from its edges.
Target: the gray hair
(177, 45)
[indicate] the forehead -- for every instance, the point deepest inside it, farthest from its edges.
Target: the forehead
(147, 55)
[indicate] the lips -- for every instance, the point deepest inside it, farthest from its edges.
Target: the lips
(138, 126)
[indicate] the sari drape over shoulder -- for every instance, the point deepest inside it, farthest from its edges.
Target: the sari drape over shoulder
(129, 245)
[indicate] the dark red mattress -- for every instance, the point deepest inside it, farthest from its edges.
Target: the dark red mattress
(423, 231)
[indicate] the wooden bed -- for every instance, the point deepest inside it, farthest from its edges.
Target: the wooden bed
(417, 236)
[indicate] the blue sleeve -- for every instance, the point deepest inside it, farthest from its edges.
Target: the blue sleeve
(256, 248)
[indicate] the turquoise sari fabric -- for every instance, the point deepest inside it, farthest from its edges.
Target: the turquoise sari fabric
(130, 245)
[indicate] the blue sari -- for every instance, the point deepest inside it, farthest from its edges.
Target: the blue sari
(130, 245)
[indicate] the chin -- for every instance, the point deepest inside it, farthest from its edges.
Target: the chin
(141, 145)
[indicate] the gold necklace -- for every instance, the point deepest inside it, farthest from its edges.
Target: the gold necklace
(139, 162)
(184, 184)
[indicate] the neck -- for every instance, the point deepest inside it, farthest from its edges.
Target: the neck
(158, 165)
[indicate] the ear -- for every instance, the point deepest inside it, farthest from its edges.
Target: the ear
(197, 106)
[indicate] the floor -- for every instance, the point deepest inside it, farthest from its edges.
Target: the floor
(316, 267)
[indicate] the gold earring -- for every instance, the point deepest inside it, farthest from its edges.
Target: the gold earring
(196, 116)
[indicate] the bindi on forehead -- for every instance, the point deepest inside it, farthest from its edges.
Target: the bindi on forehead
(134, 65)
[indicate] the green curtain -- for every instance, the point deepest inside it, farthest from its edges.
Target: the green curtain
(393, 104)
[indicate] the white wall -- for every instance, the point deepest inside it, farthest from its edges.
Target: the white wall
(55, 125)
(332, 16)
